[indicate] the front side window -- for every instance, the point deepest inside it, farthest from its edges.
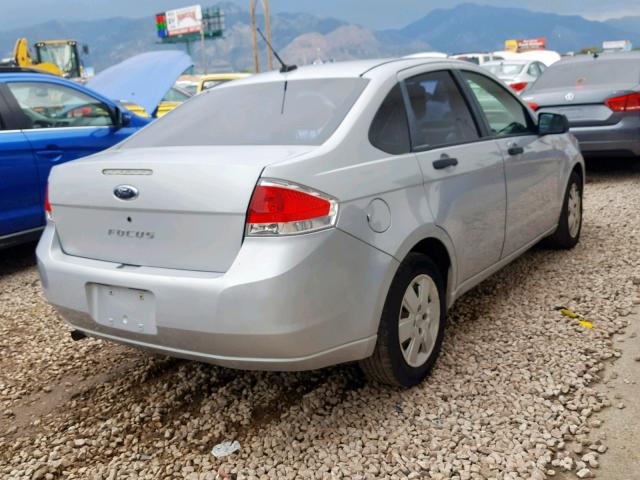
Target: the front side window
(505, 114)
(440, 113)
(47, 105)
(390, 129)
(295, 112)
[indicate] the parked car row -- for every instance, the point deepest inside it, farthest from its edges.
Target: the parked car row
(306, 217)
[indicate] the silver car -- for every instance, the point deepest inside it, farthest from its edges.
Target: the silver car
(518, 74)
(600, 95)
(292, 221)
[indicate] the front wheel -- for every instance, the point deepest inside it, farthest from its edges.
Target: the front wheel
(411, 327)
(570, 225)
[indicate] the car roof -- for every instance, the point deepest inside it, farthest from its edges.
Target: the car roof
(9, 75)
(50, 78)
(350, 69)
(508, 61)
(601, 57)
(224, 76)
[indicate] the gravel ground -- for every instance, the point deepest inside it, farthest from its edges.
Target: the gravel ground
(513, 397)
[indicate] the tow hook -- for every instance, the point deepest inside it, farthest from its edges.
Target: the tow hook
(77, 335)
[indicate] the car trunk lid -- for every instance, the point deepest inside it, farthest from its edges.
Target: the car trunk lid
(189, 211)
(582, 106)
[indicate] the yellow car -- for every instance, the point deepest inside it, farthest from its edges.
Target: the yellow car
(174, 97)
(210, 81)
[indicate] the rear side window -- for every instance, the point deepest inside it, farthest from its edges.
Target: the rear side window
(390, 129)
(506, 115)
(440, 113)
(599, 71)
(295, 112)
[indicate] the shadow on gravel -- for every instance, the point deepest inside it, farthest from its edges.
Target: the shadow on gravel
(17, 258)
(607, 167)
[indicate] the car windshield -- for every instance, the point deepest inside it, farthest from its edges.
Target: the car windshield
(208, 84)
(297, 112)
(505, 69)
(600, 71)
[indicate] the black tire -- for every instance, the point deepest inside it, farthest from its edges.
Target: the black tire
(387, 364)
(562, 238)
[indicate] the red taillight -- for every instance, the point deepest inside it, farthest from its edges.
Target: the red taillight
(281, 208)
(519, 86)
(624, 103)
(47, 205)
(533, 106)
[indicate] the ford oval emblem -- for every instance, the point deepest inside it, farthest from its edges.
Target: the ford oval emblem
(125, 192)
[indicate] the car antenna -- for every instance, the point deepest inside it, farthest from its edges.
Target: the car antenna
(285, 68)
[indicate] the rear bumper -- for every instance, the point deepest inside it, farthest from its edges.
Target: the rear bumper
(622, 139)
(295, 303)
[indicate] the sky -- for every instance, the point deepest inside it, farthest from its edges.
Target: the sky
(374, 14)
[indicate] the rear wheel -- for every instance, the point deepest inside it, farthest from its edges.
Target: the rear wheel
(570, 225)
(411, 327)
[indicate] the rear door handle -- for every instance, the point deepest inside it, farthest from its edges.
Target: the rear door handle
(445, 162)
(515, 149)
(52, 154)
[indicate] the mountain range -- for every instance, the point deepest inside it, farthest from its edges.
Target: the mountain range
(303, 38)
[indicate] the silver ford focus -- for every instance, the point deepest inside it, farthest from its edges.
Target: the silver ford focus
(296, 220)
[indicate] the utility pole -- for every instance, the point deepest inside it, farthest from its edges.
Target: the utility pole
(254, 37)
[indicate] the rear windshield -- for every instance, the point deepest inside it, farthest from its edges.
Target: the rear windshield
(297, 112)
(505, 69)
(597, 72)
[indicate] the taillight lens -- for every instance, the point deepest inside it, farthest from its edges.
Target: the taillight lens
(533, 106)
(47, 205)
(519, 86)
(283, 208)
(624, 103)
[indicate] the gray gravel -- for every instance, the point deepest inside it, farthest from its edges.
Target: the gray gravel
(512, 397)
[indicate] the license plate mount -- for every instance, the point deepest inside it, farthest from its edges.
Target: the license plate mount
(123, 308)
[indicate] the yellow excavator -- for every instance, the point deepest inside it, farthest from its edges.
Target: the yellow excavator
(59, 57)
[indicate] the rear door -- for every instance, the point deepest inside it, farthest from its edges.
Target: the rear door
(533, 164)
(20, 200)
(463, 173)
(62, 123)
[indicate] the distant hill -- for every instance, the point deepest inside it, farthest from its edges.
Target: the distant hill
(304, 38)
(469, 27)
(628, 24)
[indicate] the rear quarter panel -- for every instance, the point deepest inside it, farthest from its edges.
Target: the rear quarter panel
(356, 173)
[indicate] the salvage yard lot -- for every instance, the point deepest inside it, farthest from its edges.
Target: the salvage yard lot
(516, 385)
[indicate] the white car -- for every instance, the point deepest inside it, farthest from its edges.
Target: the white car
(518, 74)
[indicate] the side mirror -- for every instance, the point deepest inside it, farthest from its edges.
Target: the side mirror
(121, 118)
(552, 124)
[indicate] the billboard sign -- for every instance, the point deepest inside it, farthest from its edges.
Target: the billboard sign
(525, 45)
(183, 21)
(617, 46)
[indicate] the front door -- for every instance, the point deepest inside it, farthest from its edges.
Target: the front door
(533, 167)
(463, 173)
(20, 201)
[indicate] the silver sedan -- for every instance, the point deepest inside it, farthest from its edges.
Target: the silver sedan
(297, 220)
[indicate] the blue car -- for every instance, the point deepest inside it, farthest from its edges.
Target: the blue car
(44, 121)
